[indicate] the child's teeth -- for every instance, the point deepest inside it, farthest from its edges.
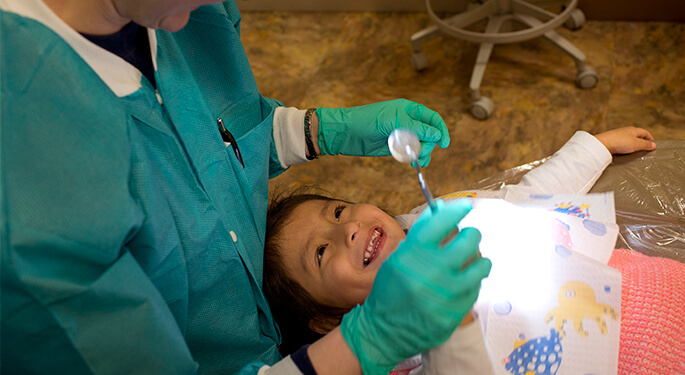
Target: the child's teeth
(375, 235)
(370, 248)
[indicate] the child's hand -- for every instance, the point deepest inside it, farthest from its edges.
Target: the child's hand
(627, 140)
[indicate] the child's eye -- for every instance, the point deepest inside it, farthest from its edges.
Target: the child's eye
(338, 211)
(319, 253)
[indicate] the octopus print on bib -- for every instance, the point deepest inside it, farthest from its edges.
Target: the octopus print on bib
(551, 305)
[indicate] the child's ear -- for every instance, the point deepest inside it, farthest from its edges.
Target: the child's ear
(323, 324)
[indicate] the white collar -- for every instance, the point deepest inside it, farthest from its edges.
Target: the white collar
(121, 77)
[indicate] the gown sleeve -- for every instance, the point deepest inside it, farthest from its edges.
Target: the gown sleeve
(288, 135)
(463, 353)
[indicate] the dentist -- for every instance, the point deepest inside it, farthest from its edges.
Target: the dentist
(135, 158)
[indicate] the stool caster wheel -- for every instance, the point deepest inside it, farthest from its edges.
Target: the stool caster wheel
(576, 20)
(419, 61)
(482, 108)
(587, 78)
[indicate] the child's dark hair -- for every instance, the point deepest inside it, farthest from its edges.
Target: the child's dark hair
(292, 306)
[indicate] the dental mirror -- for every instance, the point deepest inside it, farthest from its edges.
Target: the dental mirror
(405, 147)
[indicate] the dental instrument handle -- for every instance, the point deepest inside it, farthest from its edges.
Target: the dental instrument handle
(424, 187)
(405, 147)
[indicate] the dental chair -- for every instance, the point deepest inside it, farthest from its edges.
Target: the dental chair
(504, 20)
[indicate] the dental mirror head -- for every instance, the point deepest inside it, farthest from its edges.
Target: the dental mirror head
(404, 145)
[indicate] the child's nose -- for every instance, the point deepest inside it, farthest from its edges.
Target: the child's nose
(351, 232)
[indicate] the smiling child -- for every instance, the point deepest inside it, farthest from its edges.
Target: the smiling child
(322, 254)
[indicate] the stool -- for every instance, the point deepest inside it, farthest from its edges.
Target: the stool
(500, 13)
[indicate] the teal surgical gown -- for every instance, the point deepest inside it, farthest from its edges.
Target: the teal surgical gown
(132, 237)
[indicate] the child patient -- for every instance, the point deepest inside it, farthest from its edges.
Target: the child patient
(322, 254)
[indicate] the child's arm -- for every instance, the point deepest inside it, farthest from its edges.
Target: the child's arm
(575, 168)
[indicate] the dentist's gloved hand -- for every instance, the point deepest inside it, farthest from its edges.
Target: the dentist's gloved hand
(364, 130)
(420, 294)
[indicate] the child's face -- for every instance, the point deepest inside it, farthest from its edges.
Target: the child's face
(334, 249)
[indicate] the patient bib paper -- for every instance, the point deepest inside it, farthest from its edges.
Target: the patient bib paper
(551, 305)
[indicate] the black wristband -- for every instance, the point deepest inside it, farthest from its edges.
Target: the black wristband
(308, 134)
(301, 359)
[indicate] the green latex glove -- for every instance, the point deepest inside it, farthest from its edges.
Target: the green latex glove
(420, 294)
(364, 130)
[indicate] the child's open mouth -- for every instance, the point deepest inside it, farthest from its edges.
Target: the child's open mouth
(373, 246)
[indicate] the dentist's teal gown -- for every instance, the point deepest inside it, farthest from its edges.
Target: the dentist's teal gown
(132, 238)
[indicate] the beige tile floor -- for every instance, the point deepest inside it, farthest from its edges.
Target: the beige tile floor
(348, 59)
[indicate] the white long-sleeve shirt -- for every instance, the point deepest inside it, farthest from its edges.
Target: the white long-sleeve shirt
(573, 169)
